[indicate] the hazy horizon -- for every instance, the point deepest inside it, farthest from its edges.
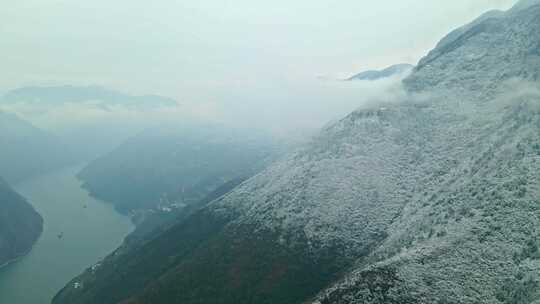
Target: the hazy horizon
(271, 65)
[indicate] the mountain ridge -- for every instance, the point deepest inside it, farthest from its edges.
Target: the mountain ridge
(432, 199)
(20, 225)
(29, 151)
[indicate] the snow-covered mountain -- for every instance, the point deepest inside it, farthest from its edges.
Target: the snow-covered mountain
(481, 55)
(434, 199)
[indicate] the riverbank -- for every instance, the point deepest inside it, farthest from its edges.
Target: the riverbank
(91, 230)
(21, 226)
(16, 259)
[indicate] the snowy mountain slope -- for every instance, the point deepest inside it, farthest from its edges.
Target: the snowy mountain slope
(492, 49)
(463, 234)
(434, 199)
(344, 188)
(523, 4)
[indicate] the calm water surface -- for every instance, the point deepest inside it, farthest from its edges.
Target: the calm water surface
(89, 234)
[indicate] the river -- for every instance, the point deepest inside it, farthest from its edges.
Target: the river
(91, 229)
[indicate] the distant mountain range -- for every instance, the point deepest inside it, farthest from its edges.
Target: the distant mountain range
(61, 95)
(174, 166)
(394, 70)
(92, 119)
(28, 151)
(20, 225)
(433, 199)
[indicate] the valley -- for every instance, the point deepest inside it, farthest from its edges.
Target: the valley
(269, 176)
(78, 231)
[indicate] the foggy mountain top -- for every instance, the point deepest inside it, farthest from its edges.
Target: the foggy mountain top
(521, 4)
(257, 64)
(279, 109)
(172, 46)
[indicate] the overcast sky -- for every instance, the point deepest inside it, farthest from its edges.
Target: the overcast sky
(206, 52)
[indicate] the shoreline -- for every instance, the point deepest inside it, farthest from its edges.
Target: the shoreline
(103, 230)
(21, 256)
(27, 252)
(16, 259)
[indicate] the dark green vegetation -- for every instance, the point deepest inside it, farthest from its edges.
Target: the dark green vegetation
(88, 233)
(204, 261)
(154, 223)
(28, 151)
(20, 224)
(174, 167)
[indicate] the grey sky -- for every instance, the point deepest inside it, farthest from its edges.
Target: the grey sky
(207, 52)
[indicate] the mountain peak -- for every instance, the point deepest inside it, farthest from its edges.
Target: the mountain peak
(477, 57)
(522, 4)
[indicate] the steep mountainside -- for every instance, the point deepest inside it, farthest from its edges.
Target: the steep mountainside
(435, 199)
(152, 223)
(174, 167)
(27, 150)
(481, 55)
(20, 225)
(398, 69)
